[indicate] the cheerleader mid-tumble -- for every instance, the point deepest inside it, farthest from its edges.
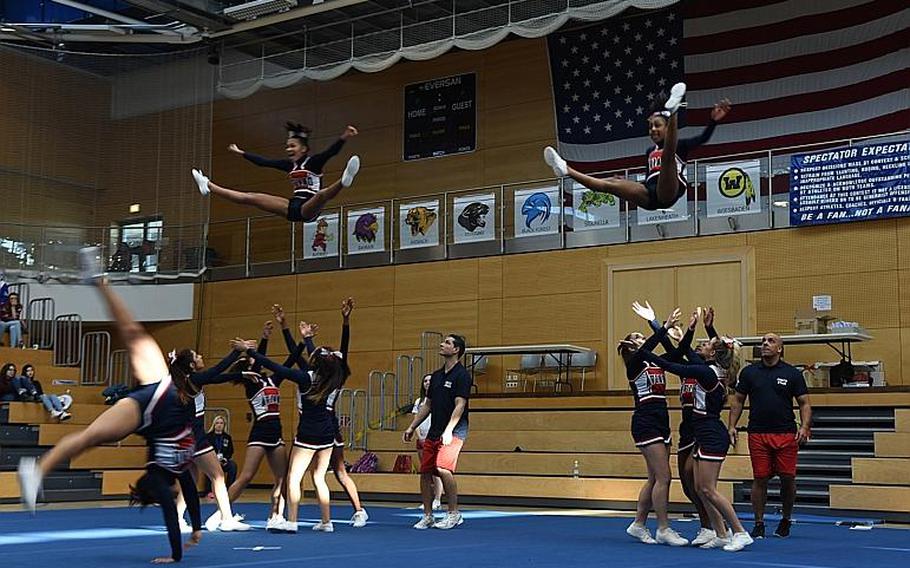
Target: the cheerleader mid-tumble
(304, 171)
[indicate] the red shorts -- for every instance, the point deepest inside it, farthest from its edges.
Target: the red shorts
(773, 454)
(435, 455)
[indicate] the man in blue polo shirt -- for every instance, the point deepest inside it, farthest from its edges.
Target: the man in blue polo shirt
(774, 439)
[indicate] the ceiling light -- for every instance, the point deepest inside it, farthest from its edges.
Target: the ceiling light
(257, 8)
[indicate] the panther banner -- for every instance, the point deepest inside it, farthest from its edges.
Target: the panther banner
(418, 224)
(366, 230)
(320, 239)
(733, 188)
(537, 211)
(679, 211)
(593, 209)
(475, 218)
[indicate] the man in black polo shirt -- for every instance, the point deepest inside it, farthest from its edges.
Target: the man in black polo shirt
(774, 439)
(447, 402)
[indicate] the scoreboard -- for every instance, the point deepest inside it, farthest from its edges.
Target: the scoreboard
(440, 117)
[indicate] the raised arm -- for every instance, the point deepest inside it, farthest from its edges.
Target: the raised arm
(282, 164)
(718, 113)
(302, 378)
(347, 306)
(704, 374)
(263, 344)
(317, 161)
(206, 376)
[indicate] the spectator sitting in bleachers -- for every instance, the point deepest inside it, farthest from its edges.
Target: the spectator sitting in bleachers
(29, 389)
(10, 319)
(7, 390)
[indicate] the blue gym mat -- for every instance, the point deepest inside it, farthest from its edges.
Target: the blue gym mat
(132, 537)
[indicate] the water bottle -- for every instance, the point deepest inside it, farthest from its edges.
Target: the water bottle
(575, 470)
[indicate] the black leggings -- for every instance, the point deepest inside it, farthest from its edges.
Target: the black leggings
(161, 482)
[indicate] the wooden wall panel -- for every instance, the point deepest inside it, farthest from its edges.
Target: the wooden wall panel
(556, 319)
(445, 317)
(368, 286)
(545, 274)
(420, 283)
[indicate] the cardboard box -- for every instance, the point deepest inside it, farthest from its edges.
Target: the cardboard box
(808, 322)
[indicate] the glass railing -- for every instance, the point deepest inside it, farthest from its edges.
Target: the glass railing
(547, 214)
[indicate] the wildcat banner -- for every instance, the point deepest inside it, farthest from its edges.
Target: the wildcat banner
(475, 218)
(536, 212)
(366, 230)
(418, 224)
(320, 239)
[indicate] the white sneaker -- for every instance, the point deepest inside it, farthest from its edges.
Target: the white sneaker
(676, 98)
(350, 170)
(739, 541)
(437, 505)
(64, 416)
(450, 521)
(324, 527)
(90, 264)
(704, 536)
(211, 523)
(716, 542)
(360, 519)
(56, 414)
(185, 527)
(29, 482)
(424, 523)
(202, 182)
(670, 536)
(640, 532)
(555, 161)
(289, 527)
(233, 524)
(274, 523)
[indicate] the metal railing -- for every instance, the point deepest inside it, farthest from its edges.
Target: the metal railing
(429, 350)
(41, 322)
(359, 420)
(67, 340)
(95, 358)
(119, 367)
(382, 413)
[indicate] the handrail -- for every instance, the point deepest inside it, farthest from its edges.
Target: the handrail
(41, 319)
(67, 340)
(95, 358)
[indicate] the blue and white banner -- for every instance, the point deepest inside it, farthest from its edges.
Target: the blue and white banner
(733, 188)
(418, 224)
(536, 211)
(366, 230)
(850, 184)
(593, 209)
(320, 239)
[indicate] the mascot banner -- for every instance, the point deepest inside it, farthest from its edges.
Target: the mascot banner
(594, 209)
(366, 230)
(475, 218)
(418, 224)
(320, 239)
(537, 211)
(733, 188)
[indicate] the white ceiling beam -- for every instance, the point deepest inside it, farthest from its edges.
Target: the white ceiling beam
(105, 14)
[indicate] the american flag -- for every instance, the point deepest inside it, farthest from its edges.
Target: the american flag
(797, 71)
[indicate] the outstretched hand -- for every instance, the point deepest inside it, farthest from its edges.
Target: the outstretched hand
(693, 319)
(673, 318)
(239, 345)
(349, 132)
(308, 329)
(720, 110)
(645, 312)
(278, 312)
(709, 316)
(347, 306)
(235, 149)
(267, 329)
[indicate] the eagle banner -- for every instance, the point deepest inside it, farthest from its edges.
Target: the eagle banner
(418, 224)
(475, 218)
(366, 230)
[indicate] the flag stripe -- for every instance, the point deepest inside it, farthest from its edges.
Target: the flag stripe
(785, 67)
(820, 100)
(878, 125)
(752, 92)
(817, 44)
(755, 130)
(708, 8)
(798, 28)
(743, 19)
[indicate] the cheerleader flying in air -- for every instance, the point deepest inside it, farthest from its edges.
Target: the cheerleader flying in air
(304, 172)
(666, 181)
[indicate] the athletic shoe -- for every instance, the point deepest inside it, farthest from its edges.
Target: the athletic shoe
(350, 170)
(704, 536)
(739, 541)
(424, 523)
(289, 527)
(555, 161)
(90, 264)
(211, 524)
(56, 414)
(450, 521)
(676, 98)
(202, 182)
(64, 416)
(185, 527)
(360, 519)
(640, 532)
(233, 524)
(275, 523)
(783, 528)
(758, 531)
(324, 527)
(29, 482)
(437, 504)
(716, 542)
(670, 537)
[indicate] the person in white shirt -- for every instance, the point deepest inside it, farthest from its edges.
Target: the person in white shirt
(422, 430)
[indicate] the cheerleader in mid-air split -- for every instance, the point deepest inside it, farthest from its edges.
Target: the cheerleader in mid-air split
(666, 180)
(304, 171)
